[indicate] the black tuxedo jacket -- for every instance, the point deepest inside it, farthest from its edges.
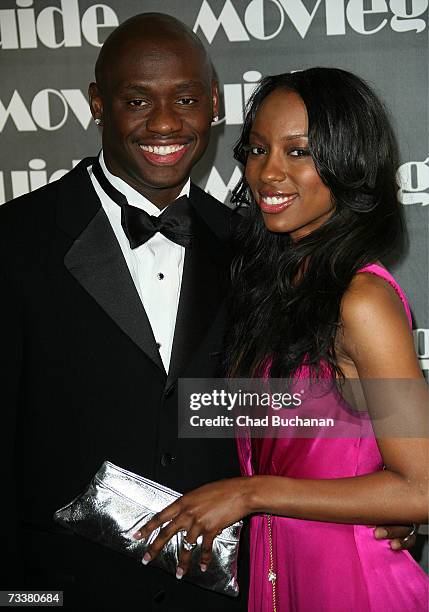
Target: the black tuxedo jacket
(82, 381)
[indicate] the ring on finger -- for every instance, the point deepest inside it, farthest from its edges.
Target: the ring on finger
(413, 529)
(189, 546)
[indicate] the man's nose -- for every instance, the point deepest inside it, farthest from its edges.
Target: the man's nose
(164, 119)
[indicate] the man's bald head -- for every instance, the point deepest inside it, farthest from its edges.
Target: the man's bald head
(157, 27)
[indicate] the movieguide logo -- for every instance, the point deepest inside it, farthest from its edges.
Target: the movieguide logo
(302, 408)
(66, 23)
(55, 24)
(267, 19)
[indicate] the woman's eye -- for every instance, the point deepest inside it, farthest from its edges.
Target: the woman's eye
(255, 150)
(299, 152)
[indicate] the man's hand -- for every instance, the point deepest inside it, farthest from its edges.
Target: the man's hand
(402, 537)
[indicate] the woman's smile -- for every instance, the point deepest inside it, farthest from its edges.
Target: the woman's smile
(272, 203)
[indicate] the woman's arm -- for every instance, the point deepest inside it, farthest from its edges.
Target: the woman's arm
(376, 339)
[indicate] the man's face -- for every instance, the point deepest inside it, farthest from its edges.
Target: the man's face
(156, 105)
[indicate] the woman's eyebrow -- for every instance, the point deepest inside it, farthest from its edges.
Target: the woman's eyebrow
(288, 137)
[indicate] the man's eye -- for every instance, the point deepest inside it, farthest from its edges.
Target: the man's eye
(186, 101)
(299, 152)
(255, 150)
(137, 102)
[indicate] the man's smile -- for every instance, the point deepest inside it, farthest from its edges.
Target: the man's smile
(164, 154)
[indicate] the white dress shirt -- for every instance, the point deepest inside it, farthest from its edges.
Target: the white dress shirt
(156, 266)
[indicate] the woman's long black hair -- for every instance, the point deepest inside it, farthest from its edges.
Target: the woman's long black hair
(272, 316)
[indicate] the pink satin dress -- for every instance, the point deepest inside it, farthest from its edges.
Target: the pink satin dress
(321, 566)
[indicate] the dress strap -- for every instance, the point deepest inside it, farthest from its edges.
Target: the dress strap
(378, 270)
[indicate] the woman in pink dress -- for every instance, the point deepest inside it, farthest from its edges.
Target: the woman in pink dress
(312, 302)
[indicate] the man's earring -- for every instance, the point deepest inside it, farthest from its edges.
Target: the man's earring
(97, 121)
(215, 119)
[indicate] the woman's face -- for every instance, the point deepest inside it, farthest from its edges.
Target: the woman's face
(280, 170)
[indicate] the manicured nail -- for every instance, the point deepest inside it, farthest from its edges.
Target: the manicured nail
(146, 558)
(179, 573)
(137, 535)
(380, 533)
(203, 567)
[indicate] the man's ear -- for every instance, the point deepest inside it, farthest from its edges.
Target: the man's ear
(95, 101)
(215, 98)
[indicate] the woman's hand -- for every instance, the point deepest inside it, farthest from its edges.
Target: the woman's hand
(202, 512)
(401, 537)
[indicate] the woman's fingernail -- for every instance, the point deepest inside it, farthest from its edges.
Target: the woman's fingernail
(137, 535)
(380, 533)
(203, 567)
(395, 545)
(179, 573)
(146, 558)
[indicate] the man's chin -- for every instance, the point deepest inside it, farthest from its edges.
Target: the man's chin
(159, 180)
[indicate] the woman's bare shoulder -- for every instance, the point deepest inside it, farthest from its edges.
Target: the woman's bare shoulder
(375, 332)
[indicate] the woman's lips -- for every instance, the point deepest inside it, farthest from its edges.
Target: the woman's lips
(163, 155)
(275, 203)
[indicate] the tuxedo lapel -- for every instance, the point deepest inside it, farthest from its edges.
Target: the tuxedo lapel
(96, 261)
(205, 280)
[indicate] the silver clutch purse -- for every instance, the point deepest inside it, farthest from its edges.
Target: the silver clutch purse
(117, 503)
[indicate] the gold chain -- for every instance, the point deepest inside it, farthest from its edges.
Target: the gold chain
(271, 573)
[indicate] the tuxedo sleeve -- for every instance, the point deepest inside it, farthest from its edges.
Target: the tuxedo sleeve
(11, 360)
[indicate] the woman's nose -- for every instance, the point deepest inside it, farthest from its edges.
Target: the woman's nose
(274, 169)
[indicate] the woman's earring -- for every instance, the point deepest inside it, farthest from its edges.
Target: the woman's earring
(97, 121)
(248, 195)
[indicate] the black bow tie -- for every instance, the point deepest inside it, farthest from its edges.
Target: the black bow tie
(175, 222)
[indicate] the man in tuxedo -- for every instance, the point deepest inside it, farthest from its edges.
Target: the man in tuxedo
(100, 316)
(102, 309)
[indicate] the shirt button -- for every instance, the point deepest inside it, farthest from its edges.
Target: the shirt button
(160, 276)
(158, 345)
(167, 459)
